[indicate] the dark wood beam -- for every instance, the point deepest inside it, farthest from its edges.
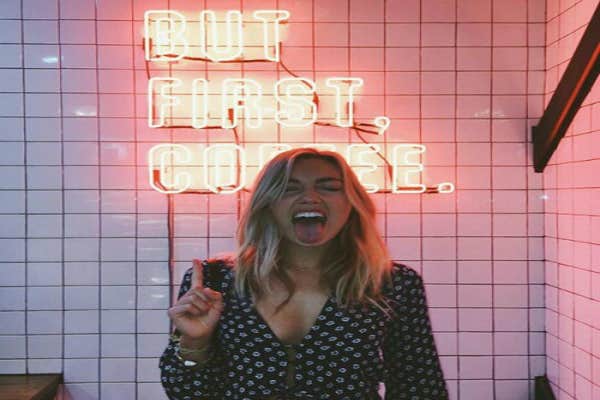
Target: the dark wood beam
(575, 84)
(29, 387)
(543, 390)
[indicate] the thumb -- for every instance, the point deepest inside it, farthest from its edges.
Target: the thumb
(197, 274)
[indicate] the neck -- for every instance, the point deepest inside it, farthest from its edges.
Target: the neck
(302, 258)
(303, 264)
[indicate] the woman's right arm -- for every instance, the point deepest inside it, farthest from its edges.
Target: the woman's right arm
(195, 316)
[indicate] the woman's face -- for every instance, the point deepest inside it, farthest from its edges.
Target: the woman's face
(314, 207)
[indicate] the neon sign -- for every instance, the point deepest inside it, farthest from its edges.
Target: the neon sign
(224, 169)
(235, 101)
(294, 97)
(167, 37)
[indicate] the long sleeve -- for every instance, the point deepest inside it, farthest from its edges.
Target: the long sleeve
(411, 361)
(184, 383)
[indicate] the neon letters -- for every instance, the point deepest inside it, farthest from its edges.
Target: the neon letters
(224, 168)
(235, 100)
(243, 97)
(167, 37)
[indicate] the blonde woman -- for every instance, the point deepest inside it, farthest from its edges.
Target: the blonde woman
(311, 307)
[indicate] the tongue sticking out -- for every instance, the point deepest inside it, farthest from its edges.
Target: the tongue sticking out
(309, 231)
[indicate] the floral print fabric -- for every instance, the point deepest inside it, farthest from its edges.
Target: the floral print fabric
(345, 355)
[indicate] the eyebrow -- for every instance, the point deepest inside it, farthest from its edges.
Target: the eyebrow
(319, 180)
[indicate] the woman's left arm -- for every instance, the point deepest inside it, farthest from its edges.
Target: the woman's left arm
(410, 356)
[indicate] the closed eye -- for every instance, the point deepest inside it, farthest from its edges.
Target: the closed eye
(331, 188)
(291, 188)
(323, 184)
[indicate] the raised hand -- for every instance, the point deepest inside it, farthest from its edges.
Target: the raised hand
(196, 314)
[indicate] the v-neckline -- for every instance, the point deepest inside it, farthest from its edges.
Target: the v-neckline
(314, 325)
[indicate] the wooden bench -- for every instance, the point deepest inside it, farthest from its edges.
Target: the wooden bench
(29, 387)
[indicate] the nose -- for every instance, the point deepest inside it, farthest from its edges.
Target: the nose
(310, 195)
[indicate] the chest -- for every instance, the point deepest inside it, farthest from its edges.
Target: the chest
(295, 319)
(333, 343)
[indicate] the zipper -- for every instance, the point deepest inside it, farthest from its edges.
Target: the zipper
(290, 379)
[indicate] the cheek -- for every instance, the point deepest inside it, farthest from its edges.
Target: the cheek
(280, 212)
(347, 214)
(343, 209)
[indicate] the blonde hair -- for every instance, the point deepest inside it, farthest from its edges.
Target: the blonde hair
(357, 263)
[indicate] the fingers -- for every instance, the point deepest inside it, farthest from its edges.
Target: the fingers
(179, 309)
(198, 305)
(198, 299)
(197, 278)
(201, 299)
(188, 309)
(213, 295)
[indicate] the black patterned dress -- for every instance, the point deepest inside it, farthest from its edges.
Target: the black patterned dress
(346, 354)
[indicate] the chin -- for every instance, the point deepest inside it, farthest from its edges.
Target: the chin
(316, 244)
(319, 244)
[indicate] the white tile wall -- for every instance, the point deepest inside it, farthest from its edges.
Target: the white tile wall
(80, 228)
(571, 183)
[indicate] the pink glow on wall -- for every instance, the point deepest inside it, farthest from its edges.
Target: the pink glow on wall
(84, 283)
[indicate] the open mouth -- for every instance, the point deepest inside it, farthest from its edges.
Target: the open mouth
(309, 226)
(309, 217)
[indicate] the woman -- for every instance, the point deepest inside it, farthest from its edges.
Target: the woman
(310, 308)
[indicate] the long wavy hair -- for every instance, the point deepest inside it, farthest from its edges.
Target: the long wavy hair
(356, 264)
